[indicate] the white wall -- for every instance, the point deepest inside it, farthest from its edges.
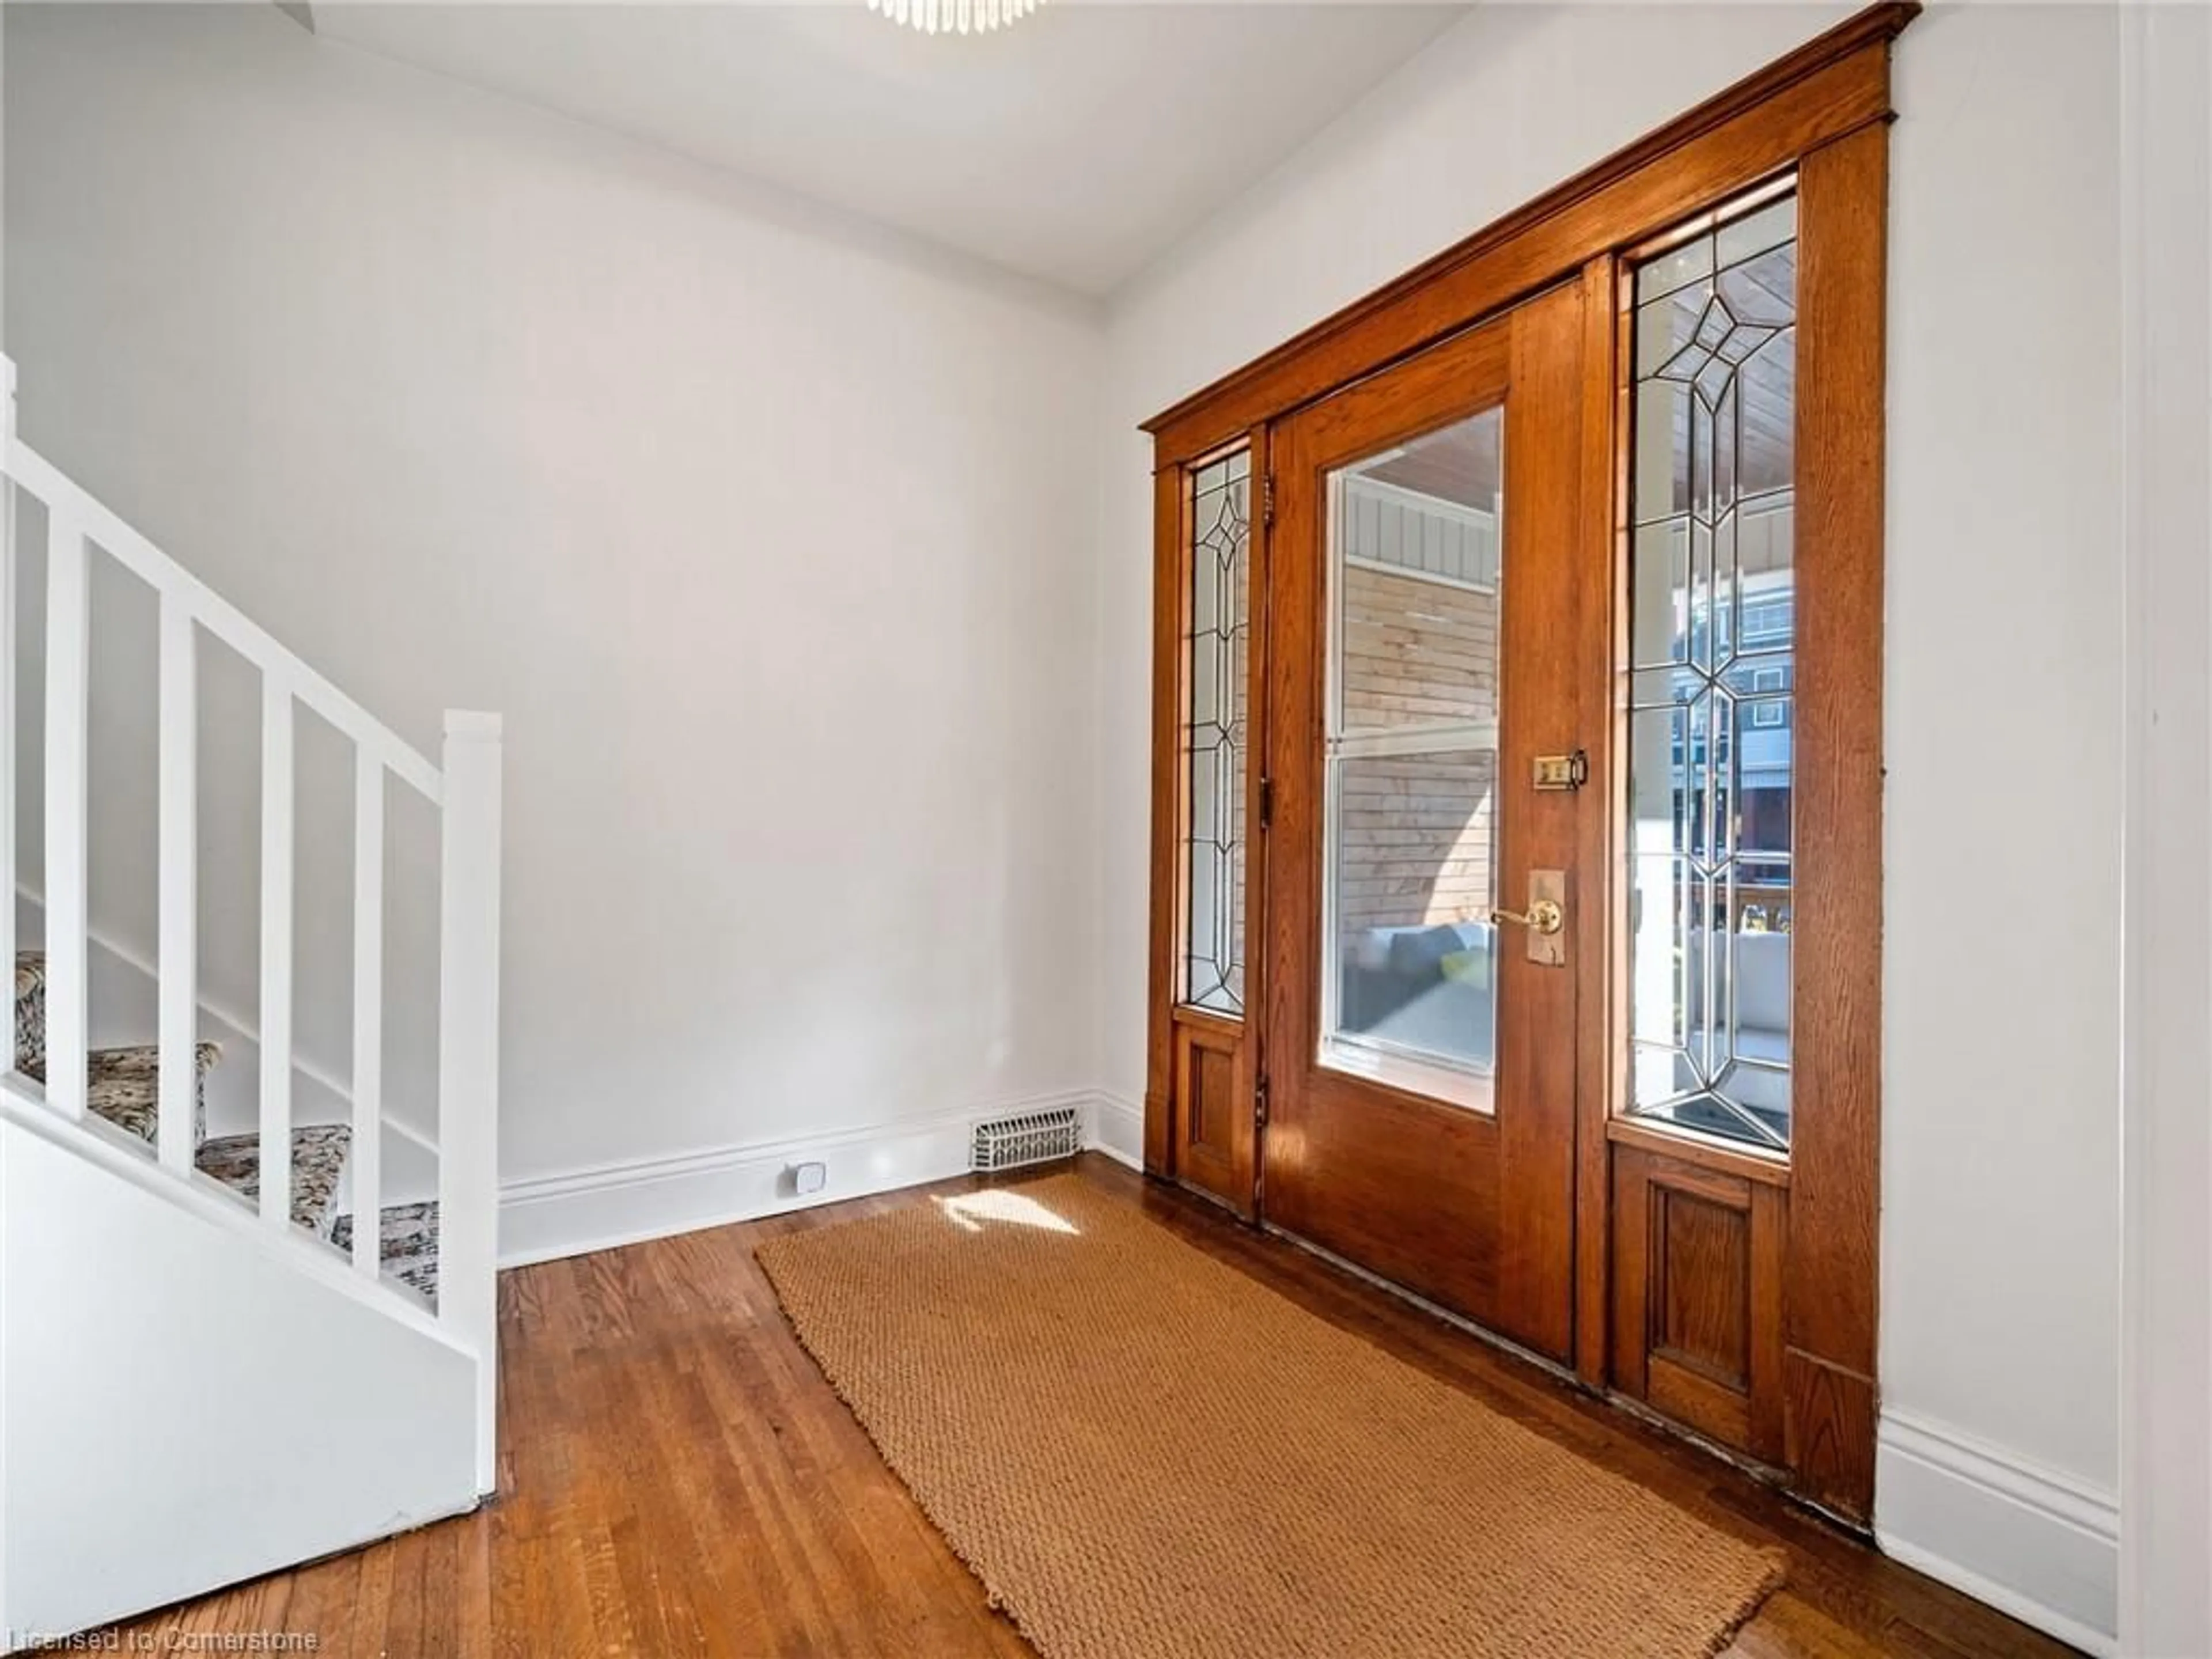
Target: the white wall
(767, 530)
(2000, 1228)
(2001, 1120)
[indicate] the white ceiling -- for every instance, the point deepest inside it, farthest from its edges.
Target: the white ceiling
(1074, 147)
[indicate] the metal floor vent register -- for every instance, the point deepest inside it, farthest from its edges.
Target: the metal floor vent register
(1007, 1143)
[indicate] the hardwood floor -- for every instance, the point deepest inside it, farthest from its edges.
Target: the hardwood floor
(677, 1479)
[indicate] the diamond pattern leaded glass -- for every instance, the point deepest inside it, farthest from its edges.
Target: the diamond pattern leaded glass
(1218, 641)
(1712, 624)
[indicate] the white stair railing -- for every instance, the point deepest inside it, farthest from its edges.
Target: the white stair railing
(465, 789)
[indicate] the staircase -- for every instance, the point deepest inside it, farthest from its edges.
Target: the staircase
(271, 1356)
(123, 1088)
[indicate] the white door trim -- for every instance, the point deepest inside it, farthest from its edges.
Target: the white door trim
(2166, 1367)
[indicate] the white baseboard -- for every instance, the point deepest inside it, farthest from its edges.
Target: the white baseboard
(545, 1216)
(2036, 1543)
(1117, 1129)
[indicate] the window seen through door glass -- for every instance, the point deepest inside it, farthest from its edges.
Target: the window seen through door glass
(1409, 990)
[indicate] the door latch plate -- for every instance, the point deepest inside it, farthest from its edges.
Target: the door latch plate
(1554, 772)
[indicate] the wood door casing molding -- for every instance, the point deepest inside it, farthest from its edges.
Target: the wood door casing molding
(1169, 545)
(1836, 1008)
(1831, 1267)
(1833, 85)
(1806, 1273)
(1601, 1056)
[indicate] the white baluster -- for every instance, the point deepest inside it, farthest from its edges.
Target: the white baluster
(367, 1014)
(276, 952)
(179, 935)
(68, 752)
(468, 1059)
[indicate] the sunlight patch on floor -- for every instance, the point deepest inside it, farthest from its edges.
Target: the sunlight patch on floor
(970, 1211)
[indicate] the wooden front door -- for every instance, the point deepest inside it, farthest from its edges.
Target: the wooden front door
(1569, 607)
(1426, 741)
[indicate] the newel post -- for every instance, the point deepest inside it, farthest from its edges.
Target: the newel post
(468, 1060)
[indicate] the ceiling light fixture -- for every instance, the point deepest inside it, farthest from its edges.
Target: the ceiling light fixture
(954, 16)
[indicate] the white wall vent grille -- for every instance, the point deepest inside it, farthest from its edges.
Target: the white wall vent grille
(1007, 1143)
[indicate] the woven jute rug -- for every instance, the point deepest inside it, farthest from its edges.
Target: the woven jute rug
(1143, 1454)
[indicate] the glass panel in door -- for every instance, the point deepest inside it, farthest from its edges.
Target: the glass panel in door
(1218, 640)
(1410, 762)
(1713, 631)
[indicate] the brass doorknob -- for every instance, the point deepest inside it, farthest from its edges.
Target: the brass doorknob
(1543, 916)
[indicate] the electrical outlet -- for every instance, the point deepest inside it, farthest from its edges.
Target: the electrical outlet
(809, 1177)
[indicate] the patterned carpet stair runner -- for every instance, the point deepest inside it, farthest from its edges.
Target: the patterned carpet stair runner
(410, 1246)
(31, 1014)
(123, 1088)
(319, 1161)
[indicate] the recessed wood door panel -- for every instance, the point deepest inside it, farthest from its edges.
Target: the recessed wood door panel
(1697, 1283)
(1702, 1314)
(1213, 1131)
(1421, 1064)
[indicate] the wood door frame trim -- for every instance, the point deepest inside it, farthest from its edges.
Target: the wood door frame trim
(1687, 1148)
(1822, 111)
(1170, 538)
(1259, 655)
(1832, 1263)
(1836, 83)
(1600, 1062)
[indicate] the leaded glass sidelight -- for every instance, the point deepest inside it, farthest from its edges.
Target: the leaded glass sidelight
(1712, 626)
(1217, 631)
